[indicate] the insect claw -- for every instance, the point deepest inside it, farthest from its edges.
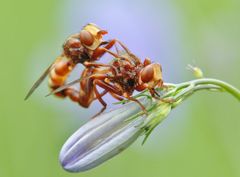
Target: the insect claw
(145, 112)
(100, 112)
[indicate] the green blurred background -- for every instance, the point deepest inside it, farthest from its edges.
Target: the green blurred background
(200, 138)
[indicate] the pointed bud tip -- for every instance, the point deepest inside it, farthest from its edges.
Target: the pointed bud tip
(197, 72)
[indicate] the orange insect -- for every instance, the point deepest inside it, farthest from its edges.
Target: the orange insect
(119, 78)
(87, 45)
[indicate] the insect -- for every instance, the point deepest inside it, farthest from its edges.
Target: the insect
(120, 78)
(87, 45)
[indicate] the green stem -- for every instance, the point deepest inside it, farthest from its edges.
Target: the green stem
(183, 90)
(227, 87)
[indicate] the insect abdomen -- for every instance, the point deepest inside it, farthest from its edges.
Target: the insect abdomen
(58, 75)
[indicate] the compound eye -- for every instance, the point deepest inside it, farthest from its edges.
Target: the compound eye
(86, 38)
(147, 74)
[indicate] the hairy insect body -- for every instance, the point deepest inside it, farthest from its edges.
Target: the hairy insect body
(126, 77)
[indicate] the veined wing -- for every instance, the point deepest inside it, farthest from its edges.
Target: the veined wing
(39, 81)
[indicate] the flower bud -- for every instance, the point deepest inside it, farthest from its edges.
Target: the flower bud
(102, 138)
(197, 72)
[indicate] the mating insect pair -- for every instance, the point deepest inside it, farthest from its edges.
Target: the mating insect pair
(124, 74)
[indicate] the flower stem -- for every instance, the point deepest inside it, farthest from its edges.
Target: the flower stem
(186, 88)
(227, 87)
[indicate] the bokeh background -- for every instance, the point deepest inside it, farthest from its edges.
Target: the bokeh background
(200, 138)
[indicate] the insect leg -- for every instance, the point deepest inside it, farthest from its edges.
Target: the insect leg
(117, 50)
(89, 64)
(98, 65)
(98, 95)
(112, 43)
(114, 54)
(137, 60)
(116, 96)
(108, 87)
(103, 50)
(86, 93)
(157, 96)
(117, 93)
(99, 52)
(139, 103)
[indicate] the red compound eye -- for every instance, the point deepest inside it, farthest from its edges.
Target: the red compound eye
(86, 37)
(147, 74)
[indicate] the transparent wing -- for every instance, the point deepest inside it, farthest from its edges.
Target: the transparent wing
(39, 81)
(59, 89)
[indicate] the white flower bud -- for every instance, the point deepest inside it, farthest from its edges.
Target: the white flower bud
(102, 138)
